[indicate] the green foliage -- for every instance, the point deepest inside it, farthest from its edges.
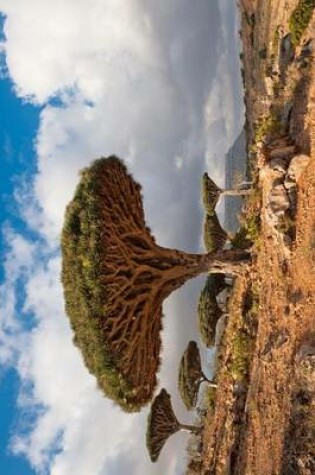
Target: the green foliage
(240, 239)
(209, 311)
(162, 423)
(214, 236)
(85, 295)
(300, 19)
(241, 351)
(248, 233)
(209, 397)
(210, 194)
(242, 343)
(267, 126)
(252, 227)
(189, 375)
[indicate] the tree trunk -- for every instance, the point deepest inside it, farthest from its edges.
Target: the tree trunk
(176, 266)
(189, 428)
(236, 192)
(207, 380)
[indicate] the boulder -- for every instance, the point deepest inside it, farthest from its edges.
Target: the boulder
(279, 165)
(279, 200)
(297, 167)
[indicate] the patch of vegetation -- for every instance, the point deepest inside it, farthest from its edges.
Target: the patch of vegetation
(244, 336)
(248, 233)
(252, 226)
(209, 311)
(300, 19)
(209, 397)
(241, 352)
(267, 126)
(214, 236)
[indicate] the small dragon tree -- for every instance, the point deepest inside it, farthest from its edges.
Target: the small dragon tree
(115, 278)
(214, 236)
(209, 311)
(211, 193)
(162, 423)
(190, 375)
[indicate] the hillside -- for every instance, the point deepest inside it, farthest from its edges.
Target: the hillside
(262, 418)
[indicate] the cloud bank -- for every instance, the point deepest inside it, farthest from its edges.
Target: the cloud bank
(142, 80)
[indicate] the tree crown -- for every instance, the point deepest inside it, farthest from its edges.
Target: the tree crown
(214, 236)
(210, 193)
(107, 205)
(209, 311)
(189, 375)
(162, 423)
(115, 278)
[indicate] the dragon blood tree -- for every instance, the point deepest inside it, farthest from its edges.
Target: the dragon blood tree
(162, 423)
(210, 192)
(115, 278)
(209, 311)
(214, 236)
(190, 375)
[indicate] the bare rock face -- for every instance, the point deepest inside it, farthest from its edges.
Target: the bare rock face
(279, 200)
(297, 167)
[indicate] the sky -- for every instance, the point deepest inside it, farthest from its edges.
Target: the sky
(158, 84)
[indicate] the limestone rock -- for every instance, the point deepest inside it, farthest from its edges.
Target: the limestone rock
(279, 200)
(278, 164)
(297, 167)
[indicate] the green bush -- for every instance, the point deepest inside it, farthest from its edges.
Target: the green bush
(241, 351)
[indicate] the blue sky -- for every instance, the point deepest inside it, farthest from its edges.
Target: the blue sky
(18, 126)
(156, 83)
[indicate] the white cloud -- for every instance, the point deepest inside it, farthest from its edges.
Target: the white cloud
(71, 43)
(133, 78)
(17, 266)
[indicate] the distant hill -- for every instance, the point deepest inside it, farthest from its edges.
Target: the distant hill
(235, 166)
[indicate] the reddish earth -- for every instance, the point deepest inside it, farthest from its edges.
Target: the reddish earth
(251, 430)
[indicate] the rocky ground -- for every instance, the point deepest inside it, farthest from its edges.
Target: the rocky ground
(262, 421)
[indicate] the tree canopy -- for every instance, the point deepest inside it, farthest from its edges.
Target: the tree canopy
(162, 423)
(209, 311)
(115, 278)
(211, 192)
(190, 375)
(214, 236)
